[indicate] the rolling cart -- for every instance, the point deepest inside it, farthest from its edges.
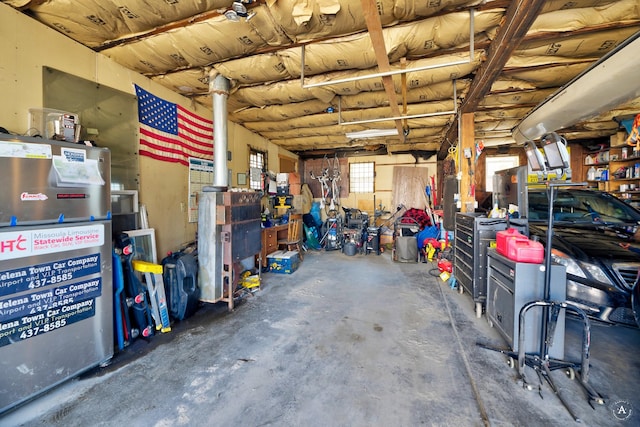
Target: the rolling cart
(542, 362)
(474, 234)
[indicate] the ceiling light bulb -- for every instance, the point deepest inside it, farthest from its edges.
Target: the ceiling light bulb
(231, 15)
(239, 8)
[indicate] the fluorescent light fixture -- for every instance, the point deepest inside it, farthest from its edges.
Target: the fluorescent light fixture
(608, 83)
(371, 133)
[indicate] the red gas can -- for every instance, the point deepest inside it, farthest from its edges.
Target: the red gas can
(525, 251)
(503, 238)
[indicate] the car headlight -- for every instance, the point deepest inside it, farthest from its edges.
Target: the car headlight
(564, 259)
(579, 269)
(596, 272)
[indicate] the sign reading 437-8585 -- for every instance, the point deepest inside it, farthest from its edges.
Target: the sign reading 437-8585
(25, 316)
(49, 273)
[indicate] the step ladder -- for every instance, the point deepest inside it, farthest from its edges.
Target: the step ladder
(155, 286)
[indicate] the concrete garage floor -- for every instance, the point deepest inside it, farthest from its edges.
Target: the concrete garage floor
(344, 341)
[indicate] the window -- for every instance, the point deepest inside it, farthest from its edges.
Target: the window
(257, 165)
(361, 177)
(498, 163)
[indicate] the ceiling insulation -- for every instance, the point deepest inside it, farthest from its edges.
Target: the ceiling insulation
(181, 44)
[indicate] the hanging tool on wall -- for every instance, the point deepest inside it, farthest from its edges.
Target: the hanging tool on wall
(472, 187)
(450, 163)
(434, 190)
(479, 148)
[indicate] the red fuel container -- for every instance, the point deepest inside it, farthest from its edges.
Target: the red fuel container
(503, 238)
(525, 251)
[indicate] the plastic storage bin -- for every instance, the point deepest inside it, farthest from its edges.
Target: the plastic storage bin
(284, 262)
(53, 124)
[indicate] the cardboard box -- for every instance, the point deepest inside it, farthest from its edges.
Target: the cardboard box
(620, 138)
(294, 178)
(295, 189)
(283, 262)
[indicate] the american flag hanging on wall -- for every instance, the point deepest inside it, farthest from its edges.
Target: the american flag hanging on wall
(170, 133)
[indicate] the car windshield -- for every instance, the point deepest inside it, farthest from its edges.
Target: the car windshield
(582, 206)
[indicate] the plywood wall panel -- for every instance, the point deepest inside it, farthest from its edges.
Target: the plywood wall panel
(409, 187)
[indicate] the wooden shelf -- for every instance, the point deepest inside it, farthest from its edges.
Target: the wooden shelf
(620, 146)
(623, 179)
(627, 160)
(614, 162)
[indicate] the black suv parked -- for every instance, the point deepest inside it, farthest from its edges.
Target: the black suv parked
(593, 236)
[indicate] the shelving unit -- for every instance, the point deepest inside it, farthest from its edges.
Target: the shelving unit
(622, 166)
(624, 173)
(599, 161)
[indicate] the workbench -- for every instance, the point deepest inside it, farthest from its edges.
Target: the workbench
(270, 237)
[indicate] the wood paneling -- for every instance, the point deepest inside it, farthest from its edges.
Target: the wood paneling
(409, 185)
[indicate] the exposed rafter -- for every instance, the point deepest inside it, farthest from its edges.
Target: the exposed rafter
(530, 48)
(518, 19)
(374, 25)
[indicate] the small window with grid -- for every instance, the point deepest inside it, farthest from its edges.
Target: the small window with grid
(361, 176)
(256, 163)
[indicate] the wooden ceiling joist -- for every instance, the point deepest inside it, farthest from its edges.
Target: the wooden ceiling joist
(374, 25)
(518, 19)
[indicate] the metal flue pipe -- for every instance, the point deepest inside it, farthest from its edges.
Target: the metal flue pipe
(219, 89)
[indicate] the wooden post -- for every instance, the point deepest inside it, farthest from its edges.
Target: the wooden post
(467, 164)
